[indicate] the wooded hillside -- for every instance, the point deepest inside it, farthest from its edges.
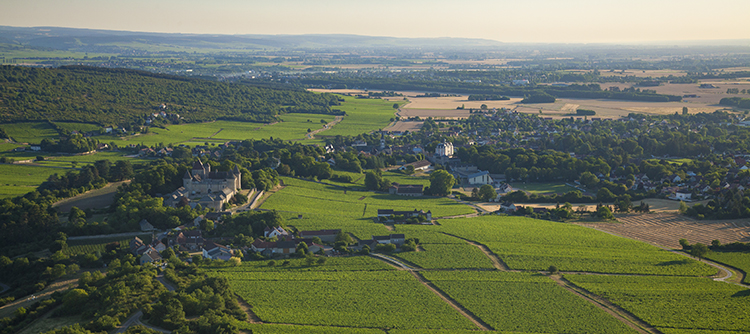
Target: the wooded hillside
(117, 96)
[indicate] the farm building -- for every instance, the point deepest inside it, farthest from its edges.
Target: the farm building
(396, 239)
(408, 214)
(214, 251)
(150, 257)
(405, 189)
(482, 177)
(146, 226)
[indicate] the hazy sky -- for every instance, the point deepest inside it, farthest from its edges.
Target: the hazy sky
(501, 20)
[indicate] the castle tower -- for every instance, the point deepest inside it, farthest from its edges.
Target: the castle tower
(200, 169)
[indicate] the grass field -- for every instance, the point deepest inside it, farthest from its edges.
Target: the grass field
(78, 247)
(529, 244)
(675, 303)
(524, 302)
(542, 188)
(75, 126)
(82, 160)
(19, 179)
(291, 127)
(362, 116)
(354, 205)
(313, 295)
(447, 256)
(739, 260)
(30, 132)
(325, 206)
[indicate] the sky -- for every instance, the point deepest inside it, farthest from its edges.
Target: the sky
(517, 21)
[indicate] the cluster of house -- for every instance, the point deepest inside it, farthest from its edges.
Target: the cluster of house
(693, 184)
(287, 244)
(147, 253)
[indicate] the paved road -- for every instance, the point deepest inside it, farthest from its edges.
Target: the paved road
(164, 282)
(133, 320)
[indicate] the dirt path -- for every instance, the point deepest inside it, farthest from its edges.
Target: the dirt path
(721, 276)
(27, 301)
(454, 304)
(335, 121)
(251, 316)
(617, 312)
(496, 261)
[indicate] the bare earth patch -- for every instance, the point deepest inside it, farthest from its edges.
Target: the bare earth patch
(667, 229)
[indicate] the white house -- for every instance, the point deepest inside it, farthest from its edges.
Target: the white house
(683, 195)
(274, 232)
(444, 149)
(482, 177)
(213, 251)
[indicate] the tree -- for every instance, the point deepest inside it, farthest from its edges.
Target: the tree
(487, 192)
(683, 208)
(441, 182)
(395, 106)
(552, 269)
(684, 110)
(588, 179)
(684, 243)
(699, 250)
(604, 212)
(604, 195)
(344, 237)
(715, 243)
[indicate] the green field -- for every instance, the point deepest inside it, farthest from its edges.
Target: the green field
(325, 206)
(542, 188)
(675, 303)
(5, 147)
(82, 160)
(739, 260)
(80, 127)
(447, 256)
(524, 302)
(79, 247)
(362, 116)
(292, 127)
(30, 132)
(529, 244)
(343, 298)
(19, 179)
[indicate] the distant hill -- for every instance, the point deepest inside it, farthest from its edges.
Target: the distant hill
(121, 96)
(90, 40)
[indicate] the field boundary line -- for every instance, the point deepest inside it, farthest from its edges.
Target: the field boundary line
(440, 293)
(452, 302)
(600, 302)
(496, 260)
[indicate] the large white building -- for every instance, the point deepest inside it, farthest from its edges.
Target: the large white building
(444, 149)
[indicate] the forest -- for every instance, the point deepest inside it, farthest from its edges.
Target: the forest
(121, 96)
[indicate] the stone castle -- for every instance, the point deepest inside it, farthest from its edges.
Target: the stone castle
(209, 189)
